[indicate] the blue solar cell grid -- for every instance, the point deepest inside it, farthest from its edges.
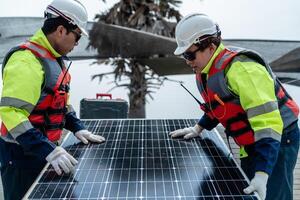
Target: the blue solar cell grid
(140, 161)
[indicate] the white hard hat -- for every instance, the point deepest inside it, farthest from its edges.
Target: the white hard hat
(72, 10)
(191, 28)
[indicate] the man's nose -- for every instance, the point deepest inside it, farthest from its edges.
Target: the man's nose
(188, 62)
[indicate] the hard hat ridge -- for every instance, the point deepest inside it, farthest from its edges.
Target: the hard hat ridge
(203, 37)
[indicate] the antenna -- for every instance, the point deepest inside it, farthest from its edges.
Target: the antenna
(199, 102)
(65, 74)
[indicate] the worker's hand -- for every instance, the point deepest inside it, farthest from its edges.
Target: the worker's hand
(61, 160)
(85, 136)
(258, 184)
(187, 133)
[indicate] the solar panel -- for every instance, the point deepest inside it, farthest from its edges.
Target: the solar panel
(140, 161)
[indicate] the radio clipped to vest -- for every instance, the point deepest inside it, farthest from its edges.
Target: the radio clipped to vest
(203, 106)
(220, 99)
(48, 114)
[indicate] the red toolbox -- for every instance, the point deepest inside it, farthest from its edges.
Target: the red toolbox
(103, 108)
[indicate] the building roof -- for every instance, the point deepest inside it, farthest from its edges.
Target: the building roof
(154, 50)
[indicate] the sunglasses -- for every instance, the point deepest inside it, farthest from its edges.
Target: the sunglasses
(190, 55)
(77, 35)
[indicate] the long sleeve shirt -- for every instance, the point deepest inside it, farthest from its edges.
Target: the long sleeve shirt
(254, 86)
(23, 78)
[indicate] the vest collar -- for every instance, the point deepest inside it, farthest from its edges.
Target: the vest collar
(40, 38)
(209, 64)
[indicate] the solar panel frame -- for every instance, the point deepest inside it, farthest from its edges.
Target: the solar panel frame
(140, 161)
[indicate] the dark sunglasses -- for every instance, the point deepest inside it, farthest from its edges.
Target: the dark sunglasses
(190, 55)
(77, 35)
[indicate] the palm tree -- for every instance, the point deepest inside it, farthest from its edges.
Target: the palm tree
(145, 15)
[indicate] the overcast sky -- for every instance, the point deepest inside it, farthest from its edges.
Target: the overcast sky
(248, 19)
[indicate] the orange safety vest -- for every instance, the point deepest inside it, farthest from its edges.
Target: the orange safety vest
(224, 106)
(49, 114)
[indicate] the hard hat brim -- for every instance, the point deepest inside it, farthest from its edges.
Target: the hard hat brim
(180, 50)
(83, 31)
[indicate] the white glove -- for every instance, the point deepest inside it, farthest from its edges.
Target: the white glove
(258, 184)
(85, 136)
(188, 133)
(61, 160)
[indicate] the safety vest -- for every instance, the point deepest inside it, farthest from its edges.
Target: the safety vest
(49, 113)
(223, 105)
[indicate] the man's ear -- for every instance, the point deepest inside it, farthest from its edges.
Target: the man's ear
(60, 31)
(212, 48)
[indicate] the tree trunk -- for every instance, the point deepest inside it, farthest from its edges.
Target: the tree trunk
(139, 111)
(138, 91)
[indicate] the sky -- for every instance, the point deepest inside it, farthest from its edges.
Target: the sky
(244, 19)
(247, 19)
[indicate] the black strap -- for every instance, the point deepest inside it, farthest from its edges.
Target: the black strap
(45, 127)
(50, 111)
(235, 133)
(48, 90)
(64, 88)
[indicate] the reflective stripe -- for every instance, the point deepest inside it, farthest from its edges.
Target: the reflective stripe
(267, 133)
(42, 52)
(9, 138)
(286, 116)
(221, 61)
(262, 109)
(242, 58)
(17, 103)
(20, 129)
(70, 109)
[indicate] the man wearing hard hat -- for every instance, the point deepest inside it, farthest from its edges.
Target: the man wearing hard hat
(242, 93)
(34, 103)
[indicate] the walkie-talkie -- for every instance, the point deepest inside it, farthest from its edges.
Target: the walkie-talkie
(199, 102)
(203, 106)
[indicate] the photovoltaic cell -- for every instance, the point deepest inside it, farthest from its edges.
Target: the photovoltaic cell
(140, 161)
